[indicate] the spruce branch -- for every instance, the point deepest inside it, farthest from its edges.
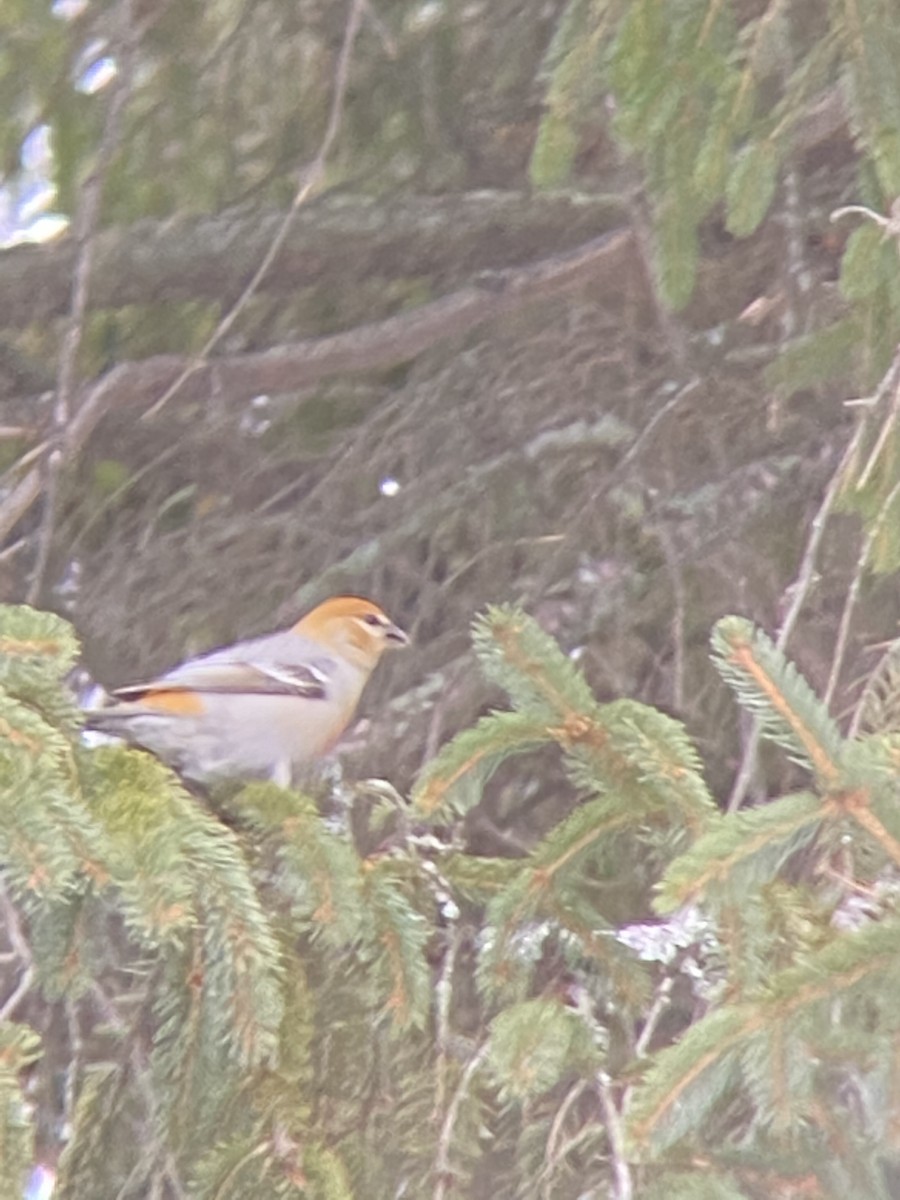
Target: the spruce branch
(101, 1099)
(479, 878)
(536, 1043)
(624, 748)
(878, 708)
(178, 1071)
(689, 1077)
(221, 1173)
(402, 934)
(857, 804)
(454, 780)
(318, 870)
(743, 851)
(706, 1183)
(19, 1048)
(670, 1103)
(646, 758)
(46, 836)
(136, 803)
(773, 690)
(35, 647)
(508, 945)
(561, 858)
(529, 665)
(798, 592)
(181, 878)
(586, 831)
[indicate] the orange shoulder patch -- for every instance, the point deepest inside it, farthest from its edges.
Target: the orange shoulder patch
(181, 702)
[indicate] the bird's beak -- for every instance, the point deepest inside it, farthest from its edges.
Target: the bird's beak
(395, 634)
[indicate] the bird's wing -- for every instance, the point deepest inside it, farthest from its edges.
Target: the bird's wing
(234, 677)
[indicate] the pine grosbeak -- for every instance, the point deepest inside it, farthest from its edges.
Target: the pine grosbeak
(262, 707)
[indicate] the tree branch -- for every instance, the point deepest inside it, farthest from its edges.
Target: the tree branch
(295, 365)
(336, 238)
(310, 179)
(85, 226)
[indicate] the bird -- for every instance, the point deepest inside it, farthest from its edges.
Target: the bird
(261, 708)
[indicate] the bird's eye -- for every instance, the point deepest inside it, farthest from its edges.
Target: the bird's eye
(372, 619)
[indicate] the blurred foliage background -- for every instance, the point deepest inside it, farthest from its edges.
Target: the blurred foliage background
(700, 419)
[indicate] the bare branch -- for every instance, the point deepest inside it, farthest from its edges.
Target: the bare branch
(295, 365)
(334, 238)
(86, 219)
(443, 1171)
(310, 179)
(798, 591)
(15, 935)
(874, 533)
(552, 1154)
(624, 1188)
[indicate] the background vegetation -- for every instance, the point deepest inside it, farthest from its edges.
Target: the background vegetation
(587, 310)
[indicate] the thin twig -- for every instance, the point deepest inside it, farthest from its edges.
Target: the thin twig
(640, 441)
(591, 1131)
(13, 926)
(142, 1078)
(84, 229)
(799, 589)
(624, 1188)
(12, 1001)
(890, 226)
(443, 995)
(257, 1151)
(552, 1150)
(806, 574)
(877, 681)
(102, 508)
(382, 32)
(677, 625)
(15, 469)
(659, 1006)
(309, 179)
(442, 1171)
(891, 383)
(15, 936)
(798, 592)
(173, 1177)
(606, 485)
(11, 433)
(840, 645)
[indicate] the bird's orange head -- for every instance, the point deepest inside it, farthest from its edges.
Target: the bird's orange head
(353, 626)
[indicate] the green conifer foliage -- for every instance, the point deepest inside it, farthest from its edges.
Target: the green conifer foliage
(192, 960)
(236, 1002)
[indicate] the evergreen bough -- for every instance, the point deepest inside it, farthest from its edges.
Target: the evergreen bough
(234, 1001)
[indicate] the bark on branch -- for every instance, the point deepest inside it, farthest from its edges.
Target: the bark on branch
(295, 365)
(339, 239)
